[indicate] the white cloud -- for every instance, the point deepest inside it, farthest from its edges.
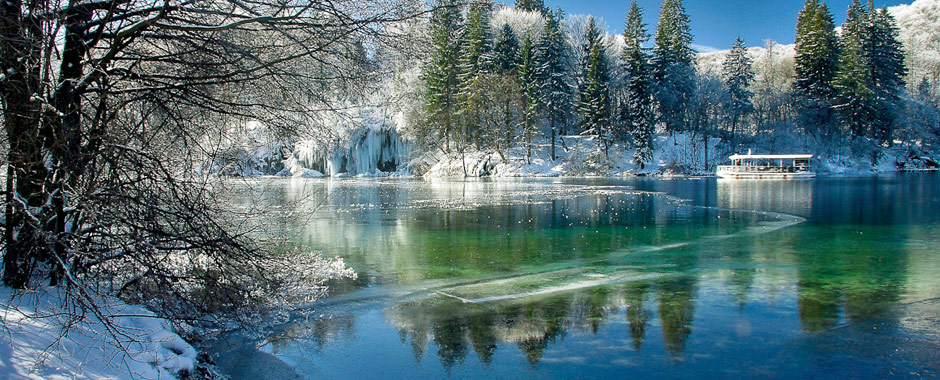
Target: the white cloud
(704, 48)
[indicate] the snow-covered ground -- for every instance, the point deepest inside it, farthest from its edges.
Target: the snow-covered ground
(680, 154)
(134, 345)
(677, 155)
(375, 151)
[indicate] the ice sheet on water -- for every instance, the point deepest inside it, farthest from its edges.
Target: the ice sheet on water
(585, 275)
(533, 195)
(544, 283)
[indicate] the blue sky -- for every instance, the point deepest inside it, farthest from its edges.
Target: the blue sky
(715, 24)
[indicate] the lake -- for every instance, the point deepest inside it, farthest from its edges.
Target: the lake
(610, 278)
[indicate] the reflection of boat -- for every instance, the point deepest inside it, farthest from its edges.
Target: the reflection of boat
(767, 166)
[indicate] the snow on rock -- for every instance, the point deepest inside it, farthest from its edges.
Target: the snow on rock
(35, 346)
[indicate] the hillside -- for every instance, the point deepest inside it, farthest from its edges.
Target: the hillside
(919, 31)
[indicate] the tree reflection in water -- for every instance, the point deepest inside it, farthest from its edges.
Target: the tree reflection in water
(533, 324)
(842, 267)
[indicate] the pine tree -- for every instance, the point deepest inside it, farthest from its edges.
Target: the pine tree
(817, 56)
(553, 74)
(442, 76)
(506, 51)
(638, 113)
(475, 63)
(853, 90)
(673, 38)
(672, 65)
(854, 98)
(477, 54)
(531, 6)
(506, 62)
(738, 74)
(528, 82)
(594, 96)
(886, 61)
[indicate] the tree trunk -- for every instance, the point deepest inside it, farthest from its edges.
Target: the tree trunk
(552, 121)
(507, 124)
(20, 60)
(65, 132)
(705, 137)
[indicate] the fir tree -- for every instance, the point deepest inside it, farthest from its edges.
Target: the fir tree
(817, 56)
(593, 96)
(886, 61)
(531, 6)
(475, 62)
(854, 98)
(477, 42)
(738, 74)
(672, 65)
(442, 76)
(506, 51)
(638, 112)
(553, 74)
(528, 82)
(506, 62)
(853, 90)
(673, 38)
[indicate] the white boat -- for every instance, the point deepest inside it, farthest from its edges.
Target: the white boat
(767, 166)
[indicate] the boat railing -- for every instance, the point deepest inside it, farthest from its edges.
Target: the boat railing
(761, 169)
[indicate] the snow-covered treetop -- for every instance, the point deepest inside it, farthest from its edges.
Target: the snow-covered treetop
(523, 23)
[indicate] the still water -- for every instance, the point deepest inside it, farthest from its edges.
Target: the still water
(610, 278)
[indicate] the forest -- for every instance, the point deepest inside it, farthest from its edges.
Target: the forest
(501, 77)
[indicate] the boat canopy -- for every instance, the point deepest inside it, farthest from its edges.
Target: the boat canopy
(771, 156)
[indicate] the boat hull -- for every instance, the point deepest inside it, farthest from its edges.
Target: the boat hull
(771, 176)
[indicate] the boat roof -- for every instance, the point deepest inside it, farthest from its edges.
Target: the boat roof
(770, 156)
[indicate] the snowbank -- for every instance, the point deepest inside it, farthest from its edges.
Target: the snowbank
(680, 154)
(34, 344)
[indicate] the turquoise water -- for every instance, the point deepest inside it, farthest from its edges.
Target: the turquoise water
(607, 278)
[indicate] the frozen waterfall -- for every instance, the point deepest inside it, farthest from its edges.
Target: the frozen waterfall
(371, 151)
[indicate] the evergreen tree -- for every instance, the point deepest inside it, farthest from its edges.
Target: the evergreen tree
(638, 112)
(738, 75)
(886, 61)
(531, 6)
(475, 63)
(506, 51)
(553, 74)
(477, 54)
(853, 90)
(817, 55)
(593, 95)
(673, 38)
(672, 65)
(506, 62)
(442, 76)
(528, 82)
(854, 98)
